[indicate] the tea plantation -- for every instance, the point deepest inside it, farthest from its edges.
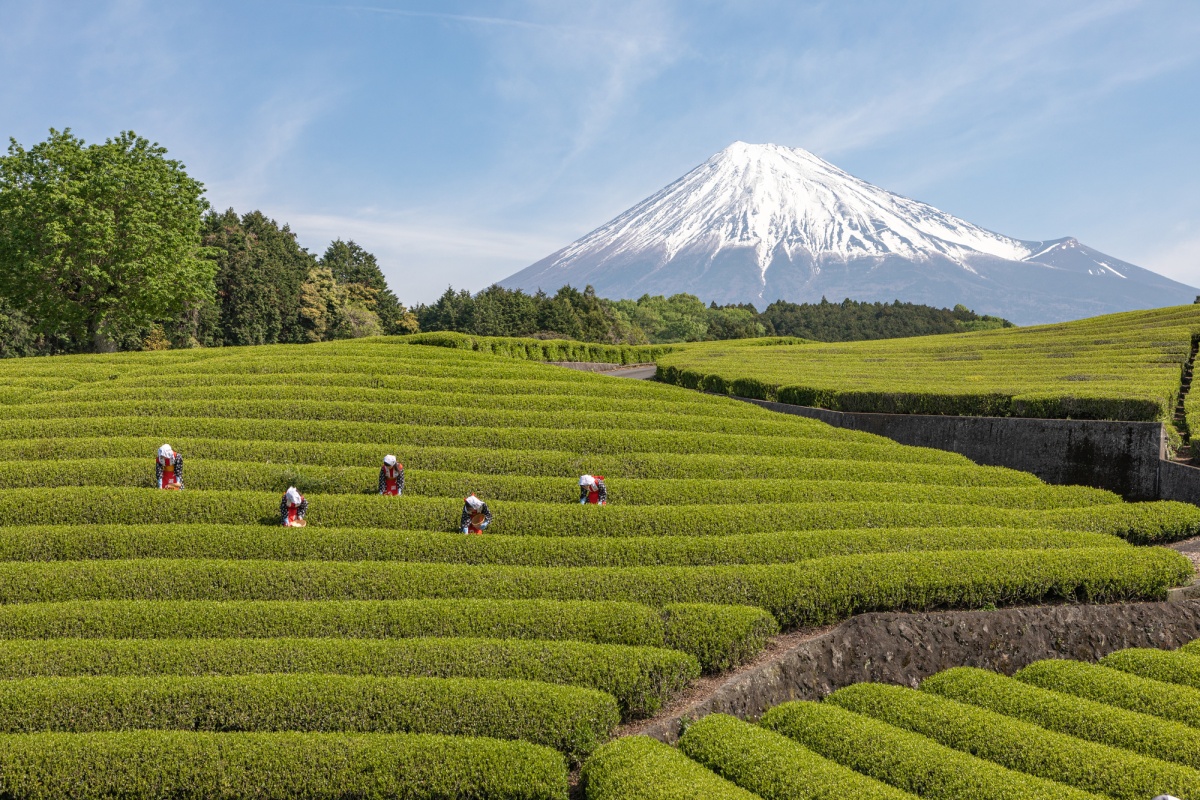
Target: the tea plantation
(184, 644)
(1127, 728)
(1119, 366)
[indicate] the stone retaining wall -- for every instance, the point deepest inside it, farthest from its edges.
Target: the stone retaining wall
(905, 648)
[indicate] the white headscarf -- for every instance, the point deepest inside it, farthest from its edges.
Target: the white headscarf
(587, 480)
(389, 460)
(474, 502)
(166, 452)
(293, 496)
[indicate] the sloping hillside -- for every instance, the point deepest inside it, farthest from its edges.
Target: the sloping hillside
(1120, 366)
(161, 641)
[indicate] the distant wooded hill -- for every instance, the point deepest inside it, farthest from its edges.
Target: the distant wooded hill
(570, 313)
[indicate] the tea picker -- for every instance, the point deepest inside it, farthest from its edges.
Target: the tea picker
(475, 515)
(391, 477)
(168, 469)
(592, 490)
(292, 509)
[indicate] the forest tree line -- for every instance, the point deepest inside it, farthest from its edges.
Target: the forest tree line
(112, 246)
(654, 319)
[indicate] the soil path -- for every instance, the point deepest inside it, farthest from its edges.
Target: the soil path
(638, 371)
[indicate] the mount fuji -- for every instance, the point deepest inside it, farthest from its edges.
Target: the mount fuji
(759, 223)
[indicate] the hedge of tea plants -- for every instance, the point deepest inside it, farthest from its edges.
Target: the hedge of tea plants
(1059, 730)
(138, 625)
(1119, 366)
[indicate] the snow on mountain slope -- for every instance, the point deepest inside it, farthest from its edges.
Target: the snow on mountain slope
(757, 223)
(767, 196)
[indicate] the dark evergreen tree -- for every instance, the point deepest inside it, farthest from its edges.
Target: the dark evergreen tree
(258, 281)
(351, 264)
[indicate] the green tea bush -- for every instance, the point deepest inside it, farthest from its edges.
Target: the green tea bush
(567, 718)
(810, 592)
(1083, 719)
(1116, 688)
(498, 434)
(1182, 666)
(148, 765)
(773, 766)
(275, 456)
(81, 542)
(529, 416)
(243, 475)
(640, 768)
(104, 506)
(640, 678)
(721, 637)
(906, 760)
(599, 623)
(374, 385)
(542, 349)
(1020, 745)
(1117, 366)
(362, 403)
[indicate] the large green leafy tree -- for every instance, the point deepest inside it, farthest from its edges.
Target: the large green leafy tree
(98, 242)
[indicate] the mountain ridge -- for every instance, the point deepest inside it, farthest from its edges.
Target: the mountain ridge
(758, 223)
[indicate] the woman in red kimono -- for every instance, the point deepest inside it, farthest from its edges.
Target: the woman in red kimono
(391, 477)
(168, 469)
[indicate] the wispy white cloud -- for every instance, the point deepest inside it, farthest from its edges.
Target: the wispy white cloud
(568, 89)
(273, 130)
(470, 19)
(859, 95)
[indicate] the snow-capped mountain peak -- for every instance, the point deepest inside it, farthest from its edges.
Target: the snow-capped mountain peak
(761, 222)
(767, 197)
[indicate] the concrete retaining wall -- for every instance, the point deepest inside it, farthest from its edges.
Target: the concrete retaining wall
(1123, 457)
(1179, 482)
(904, 649)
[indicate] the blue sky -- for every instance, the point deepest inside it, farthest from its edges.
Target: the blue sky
(461, 141)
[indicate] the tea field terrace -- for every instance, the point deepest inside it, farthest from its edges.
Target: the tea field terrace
(1124, 366)
(141, 627)
(1127, 728)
